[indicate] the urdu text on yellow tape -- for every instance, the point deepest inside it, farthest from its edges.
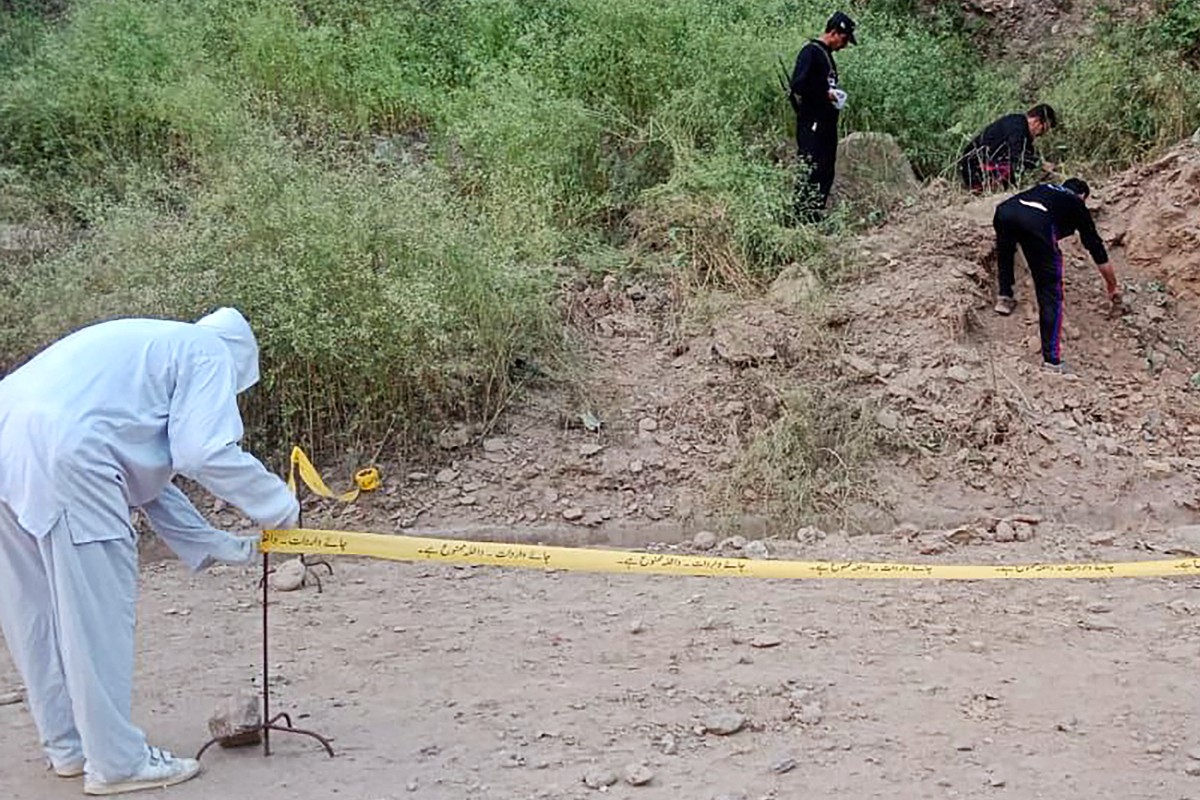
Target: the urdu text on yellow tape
(412, 548)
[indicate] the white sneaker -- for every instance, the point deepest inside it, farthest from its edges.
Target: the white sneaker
(72, 769)
(1005, 305)
(160, 771)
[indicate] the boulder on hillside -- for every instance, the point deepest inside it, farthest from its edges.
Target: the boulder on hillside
(872, 172)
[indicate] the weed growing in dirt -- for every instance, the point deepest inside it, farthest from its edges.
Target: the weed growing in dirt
(810, 464)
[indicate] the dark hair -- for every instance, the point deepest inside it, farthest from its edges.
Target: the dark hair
(1077, 186)
(1044, 114)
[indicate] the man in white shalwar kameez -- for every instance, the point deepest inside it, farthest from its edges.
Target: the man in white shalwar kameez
(93, 426)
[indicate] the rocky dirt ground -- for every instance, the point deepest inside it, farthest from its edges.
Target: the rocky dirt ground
(477, 683)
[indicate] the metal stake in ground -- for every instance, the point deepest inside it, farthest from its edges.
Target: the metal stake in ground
(271, 723)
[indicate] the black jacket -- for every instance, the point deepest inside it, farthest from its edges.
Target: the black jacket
(1005, 141)
(1060, 213)
(814, 75)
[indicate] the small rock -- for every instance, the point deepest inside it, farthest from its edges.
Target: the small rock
(734, 543)
(599, 778)
(1155, 749)
(887, 419)
(468, 500)
(637, 626)
(1023, 531)
(411, 786)
(757, 550)
(1105, 539)
(704, 540)
(238, 721)
(447, 475)
(416, 477)
(636, 466)
(638, 775)
(572, 513)
(590, 449)
(1194, 754)
(958, 374)
(809, 535)
(766, 640)
(454, 439)
(494, 445)
(724, 723)
(996, 782)
(1005, 532)
(783, 766)
(1158, 468)
(288, 576)
(811, 714)
(1192, 769)
(977, 647)
(669, 744)
(1099, 608)
(647, 425)
(859, 364)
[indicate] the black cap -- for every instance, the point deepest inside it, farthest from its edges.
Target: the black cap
(841, 23)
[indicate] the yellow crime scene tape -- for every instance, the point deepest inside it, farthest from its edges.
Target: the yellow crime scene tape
(455, 551)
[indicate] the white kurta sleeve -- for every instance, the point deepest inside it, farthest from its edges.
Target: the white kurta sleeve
(188, 534)
(204, 428)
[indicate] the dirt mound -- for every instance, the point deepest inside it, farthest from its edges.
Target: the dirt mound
(978, 432)
(1151, 211)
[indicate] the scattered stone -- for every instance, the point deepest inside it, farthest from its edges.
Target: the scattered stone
(1160, 469)
(811, 713)
(454, 439)
(1155, 749)
(757, 551)
(637, 626)
(638, 775)
(415, 477)
(783, 766)
(1099, 608)
(1023, 531)
(932, 598)
(810, 535)
(958, 374)
(636, 466)
(447, 476)
(670, 745)
(1194, 753)
(590, 449)
(494, 445)
(11, 698)
(724, 723)
(733, 796)
(704, 540)
(734, 543)
(1005, 532)
(977, 646)
(1105, 539)
(1192, 769)
(996, 782)
(887, 419)
(859, 364)
(573, 513)
(288, 576)
(237, 722)
(765, 640)
(412, 786)
(599, 778)
(468, 500)
(647, 425)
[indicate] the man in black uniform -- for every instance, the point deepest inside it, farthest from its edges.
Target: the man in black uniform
(816, 99)
(1036, 219)
(997, 157)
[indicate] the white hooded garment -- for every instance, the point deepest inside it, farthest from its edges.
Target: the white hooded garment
(94, 425)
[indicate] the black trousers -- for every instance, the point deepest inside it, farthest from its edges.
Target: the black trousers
(1033, 230)
(816, 145)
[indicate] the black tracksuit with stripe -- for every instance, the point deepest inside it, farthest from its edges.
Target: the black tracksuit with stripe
(1036, 219)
